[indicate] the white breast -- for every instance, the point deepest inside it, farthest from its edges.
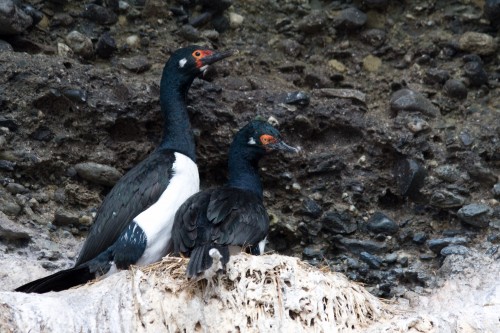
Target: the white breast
(157, 220)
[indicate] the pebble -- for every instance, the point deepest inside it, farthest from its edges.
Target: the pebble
(297, 98)
(311, 208)
(410, 176)
(448, 173)
(313, 22)
(155, 9)
(210, 34)
(350, 18)
(137, 64)
(235, 20)
(75, 95)
(436, 245)
(5, 47)
(409, 100)
(454, 249)
(35, 14)
(359, 245)
(98, 173)
(42, 133)
(133, 41)
(372, 261)
(337, 65)
(455, 89)
(419, 238)
(291, 47)
(342, 93)
(477, 42)
(64, 50)
(16, 188)
(374, 37)
(12, 232)
(339, 223)
(7, 165)
(106, 46)
(190, 33)
(8, 204)
(466, 138)
(381, 223)
(495, 190)
(475, 73)
(482, 174)
(314, 252)
(417, 125)
(435, 75)
(100, 15)
(13, 21)
(64, 218)
(446, 199)
(62, 19)
(372, 63)
(477, 215)
(80, 44)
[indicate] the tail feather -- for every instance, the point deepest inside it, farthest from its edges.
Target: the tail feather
(59, 281)
(201, 260)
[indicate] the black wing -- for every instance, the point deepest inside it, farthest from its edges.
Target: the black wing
(135, 192)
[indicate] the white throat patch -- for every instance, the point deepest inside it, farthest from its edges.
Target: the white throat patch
(251, 141)
(182, 62)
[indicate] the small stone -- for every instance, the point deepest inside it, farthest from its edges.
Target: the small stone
(491, 12)
(435, 75)
(477, 42)
(374, 37)
(358, 245)
(64, 218)
(311, 208)
(290, 47)
(350, 18)
(235, 20)
(99, 14)
(137, 64)
(381, 223)
(98, 173)
(8, 204)
(417, 125)
(410, 176)
(371, 260)
(496, 190)
(133, 41)
(35, 14)
(455, 89)
(210, 34)
(5, 47)
(337, 65)
(297, 98)
(454, 249)
(314, 252)
(411, 101)
(482, 174)
(466, 138)
(80, 44)
(339, 223)
(190, 33)
(313, 23)
(106, 46)
(13, 21)
(436, 245)
(64, 50)
(372, 63)
(42, 133)
(16, 188)
(155, 9)
(62, 19)
(477, 215)
(449, 173)
(474, 71)
(446, 199)
(419, 238)
(342, 93)
(75, 95)
(12, 232)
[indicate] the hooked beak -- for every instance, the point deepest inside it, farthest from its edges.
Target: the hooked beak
(280, 145)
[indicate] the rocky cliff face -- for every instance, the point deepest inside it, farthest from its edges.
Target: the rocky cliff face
(396, 107)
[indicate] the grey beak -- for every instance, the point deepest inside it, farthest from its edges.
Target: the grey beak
(216, 56)
(280, 145)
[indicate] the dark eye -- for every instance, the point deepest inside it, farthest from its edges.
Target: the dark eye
(197, 53)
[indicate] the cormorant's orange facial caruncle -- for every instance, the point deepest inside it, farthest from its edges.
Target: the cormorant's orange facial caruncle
(198, 55)
(266, 139)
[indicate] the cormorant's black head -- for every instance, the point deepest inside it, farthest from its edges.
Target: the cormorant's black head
(191, 61)
(263, 136)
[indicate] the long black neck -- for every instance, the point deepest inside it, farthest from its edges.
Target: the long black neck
(177, 133)
(244, 167)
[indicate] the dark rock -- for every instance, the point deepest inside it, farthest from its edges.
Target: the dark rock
(7, 165)
(381, 223)
(106, 46)
(11, 232)
(313, 252)
(8, 204)
(35, 14)
(80, 44)
(16, 188)
(410, 176)
(155, 9)
(476, 74)
(42, 133)
(342, 93)
(419, 238)
(99, 14)
(297, 98)
(449, 173)
(358, 245)
(455, 89)
(411, 101)
(76, 95)
(446, 199)
(466, 138)
(482, 174)
(291, 47)
(5, 47)
(64, 218)
(98, 173)
(339, 223)
(391, 258)
(137, 64)
(220, 23)
(13, 20)
(312, 23)
(190, 33)
(454, 249)
(374, 37)
(11, 124)
(477, 215)
(491, 11)
(311, 208)
(435, 75)
(496, 190)
(436, 245)
(62, 19)
(350, 18)
(371, 260)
